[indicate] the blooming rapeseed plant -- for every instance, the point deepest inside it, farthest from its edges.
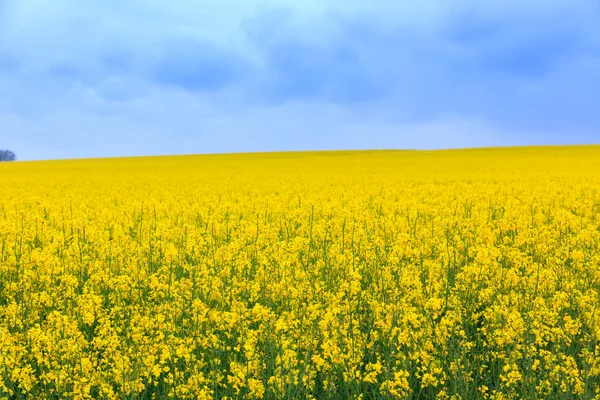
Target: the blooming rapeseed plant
(391, 274)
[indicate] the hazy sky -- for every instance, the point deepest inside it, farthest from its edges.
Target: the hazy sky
(93, 78)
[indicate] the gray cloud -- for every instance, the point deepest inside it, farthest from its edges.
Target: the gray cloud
(114, 78)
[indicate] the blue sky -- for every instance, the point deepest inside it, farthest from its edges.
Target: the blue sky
(131, 77)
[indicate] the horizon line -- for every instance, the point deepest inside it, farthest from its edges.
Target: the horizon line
(422, 150)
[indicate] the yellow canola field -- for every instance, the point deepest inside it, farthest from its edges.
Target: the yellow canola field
(330, 275)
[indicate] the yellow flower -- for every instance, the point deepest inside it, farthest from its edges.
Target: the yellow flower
(302, 275)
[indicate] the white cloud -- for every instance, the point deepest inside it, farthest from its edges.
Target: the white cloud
(175, 122)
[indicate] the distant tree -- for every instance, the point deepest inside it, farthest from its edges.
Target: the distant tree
(7, 155)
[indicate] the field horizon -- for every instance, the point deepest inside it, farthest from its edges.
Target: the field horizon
(324, 151)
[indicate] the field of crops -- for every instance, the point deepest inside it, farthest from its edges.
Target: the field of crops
(330, 275)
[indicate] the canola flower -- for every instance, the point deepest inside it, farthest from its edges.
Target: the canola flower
(327, 275)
